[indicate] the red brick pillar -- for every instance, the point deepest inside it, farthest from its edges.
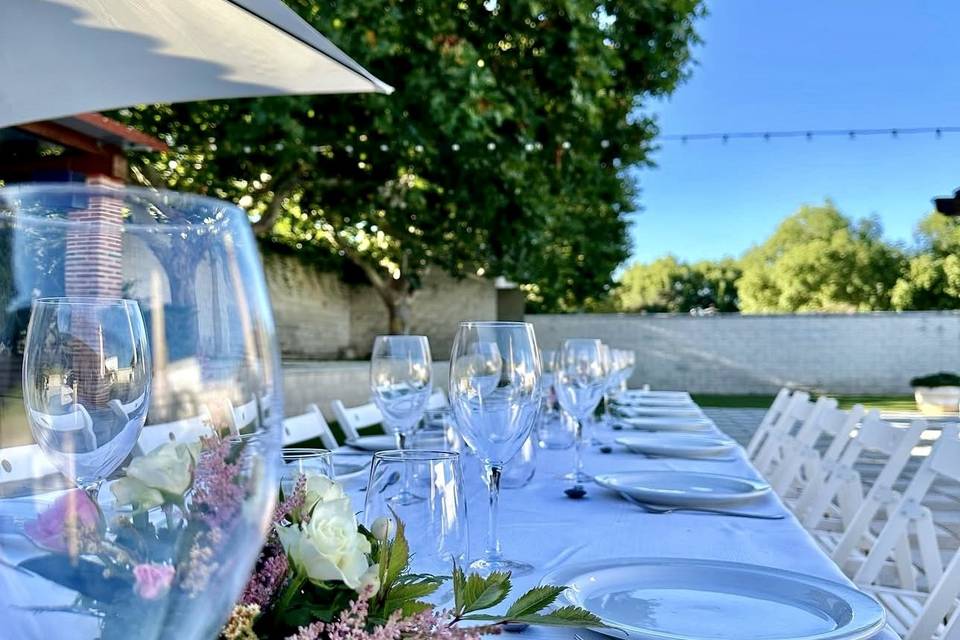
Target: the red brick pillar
(94, 268)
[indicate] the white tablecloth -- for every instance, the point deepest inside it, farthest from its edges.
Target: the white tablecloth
(540, 525)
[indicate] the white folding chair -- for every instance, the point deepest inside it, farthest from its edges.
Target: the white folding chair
(308, 426)
(23, 463)
(352, 419)
(186, 430)
(802, 464)
(769, 420)
(243, 416)
(931, 612)
(839, 516)
(798, 410)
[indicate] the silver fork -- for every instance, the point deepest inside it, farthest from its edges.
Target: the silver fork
(650, 508)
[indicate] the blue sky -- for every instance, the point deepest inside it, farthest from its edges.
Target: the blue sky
(816, 64)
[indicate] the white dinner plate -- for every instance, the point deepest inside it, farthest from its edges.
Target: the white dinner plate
(677, 445)
(654, 401)
(373, 443)
(675, 412)
(680, 599)
(638, 393)
(683, 488)
(667, 423)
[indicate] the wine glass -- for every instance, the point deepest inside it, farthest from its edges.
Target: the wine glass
(400, 381)
(495, 395)
(580, 380)
(143, 307)
(436, 525)
(86, 384)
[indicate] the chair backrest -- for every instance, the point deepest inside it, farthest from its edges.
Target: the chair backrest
(843, 481)
(23, 463)
(185, 430)
(352, 419)
(801, 464)
(798, 410)
(942, 583)
(437, 400)
(308, 426)
(769, 419)
(244, 415)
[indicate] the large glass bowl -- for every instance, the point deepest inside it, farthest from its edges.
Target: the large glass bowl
(140, 510)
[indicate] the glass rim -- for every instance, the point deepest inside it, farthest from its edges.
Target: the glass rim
(494, 323)
(84, 300)
(133, 194)
(415, 455)
(301, 453)
(401, 335)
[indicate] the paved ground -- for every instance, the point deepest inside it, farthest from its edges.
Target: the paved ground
(943, 499)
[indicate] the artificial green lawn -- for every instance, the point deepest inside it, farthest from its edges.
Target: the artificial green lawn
(882, 403)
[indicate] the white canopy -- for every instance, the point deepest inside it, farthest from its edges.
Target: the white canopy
(61, 57)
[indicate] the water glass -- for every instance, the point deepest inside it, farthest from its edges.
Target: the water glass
(495, 396)
(556, 430)
(400, 382)
(304, 462)
(436, 526)
(438, 431)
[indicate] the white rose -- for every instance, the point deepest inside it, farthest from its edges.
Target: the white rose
(134, 492)
(168, 469)
(329, 547)
(319, 489)
(370, 580)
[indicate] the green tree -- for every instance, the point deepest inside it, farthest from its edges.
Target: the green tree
(669, 285)
(820, 260)
(932, 277)
(502, 151)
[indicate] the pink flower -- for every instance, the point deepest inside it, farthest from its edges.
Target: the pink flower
(61, 527)
(153, 580)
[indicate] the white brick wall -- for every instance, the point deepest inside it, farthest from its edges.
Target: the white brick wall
(730, 353)
(318, 316)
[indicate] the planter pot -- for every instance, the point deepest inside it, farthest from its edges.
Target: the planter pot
(937, 401)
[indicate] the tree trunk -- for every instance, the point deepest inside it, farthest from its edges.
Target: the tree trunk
(399, 309)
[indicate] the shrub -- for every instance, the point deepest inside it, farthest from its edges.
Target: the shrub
(942, 379)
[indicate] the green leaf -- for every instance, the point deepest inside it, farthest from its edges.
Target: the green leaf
(398, 555)
(414, 607)
(483, 593)
(402, 594)
(459, 588)
(569, 616)
(537, 599)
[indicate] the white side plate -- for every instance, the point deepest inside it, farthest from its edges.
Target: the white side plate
(638, 411)
(677, 445)
(679, 599)
(373, 443)
(668, 423)
(683, 488)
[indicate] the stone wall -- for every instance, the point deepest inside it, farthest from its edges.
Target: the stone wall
(319, 317)
(869, 353)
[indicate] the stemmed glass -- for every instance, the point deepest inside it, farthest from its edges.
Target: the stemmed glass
(86, 384)
(495, 396)
(400, 381)
(581, 376)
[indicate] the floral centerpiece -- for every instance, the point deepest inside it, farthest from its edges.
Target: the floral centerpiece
(322, 576)
(319, 576)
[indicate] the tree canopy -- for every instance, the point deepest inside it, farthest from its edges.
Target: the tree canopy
(669, 285)
(502, 151)
(931, 279)
(820, 260)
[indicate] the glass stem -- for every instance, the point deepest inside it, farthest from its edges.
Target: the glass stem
(402, 445)
(578, 450)
(492, 552)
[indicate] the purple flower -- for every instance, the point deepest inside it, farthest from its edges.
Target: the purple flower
(152, 580)
(72, 518)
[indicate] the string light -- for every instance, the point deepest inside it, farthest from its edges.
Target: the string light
(809, 134)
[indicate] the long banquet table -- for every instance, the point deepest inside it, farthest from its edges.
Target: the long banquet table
(540, 525)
